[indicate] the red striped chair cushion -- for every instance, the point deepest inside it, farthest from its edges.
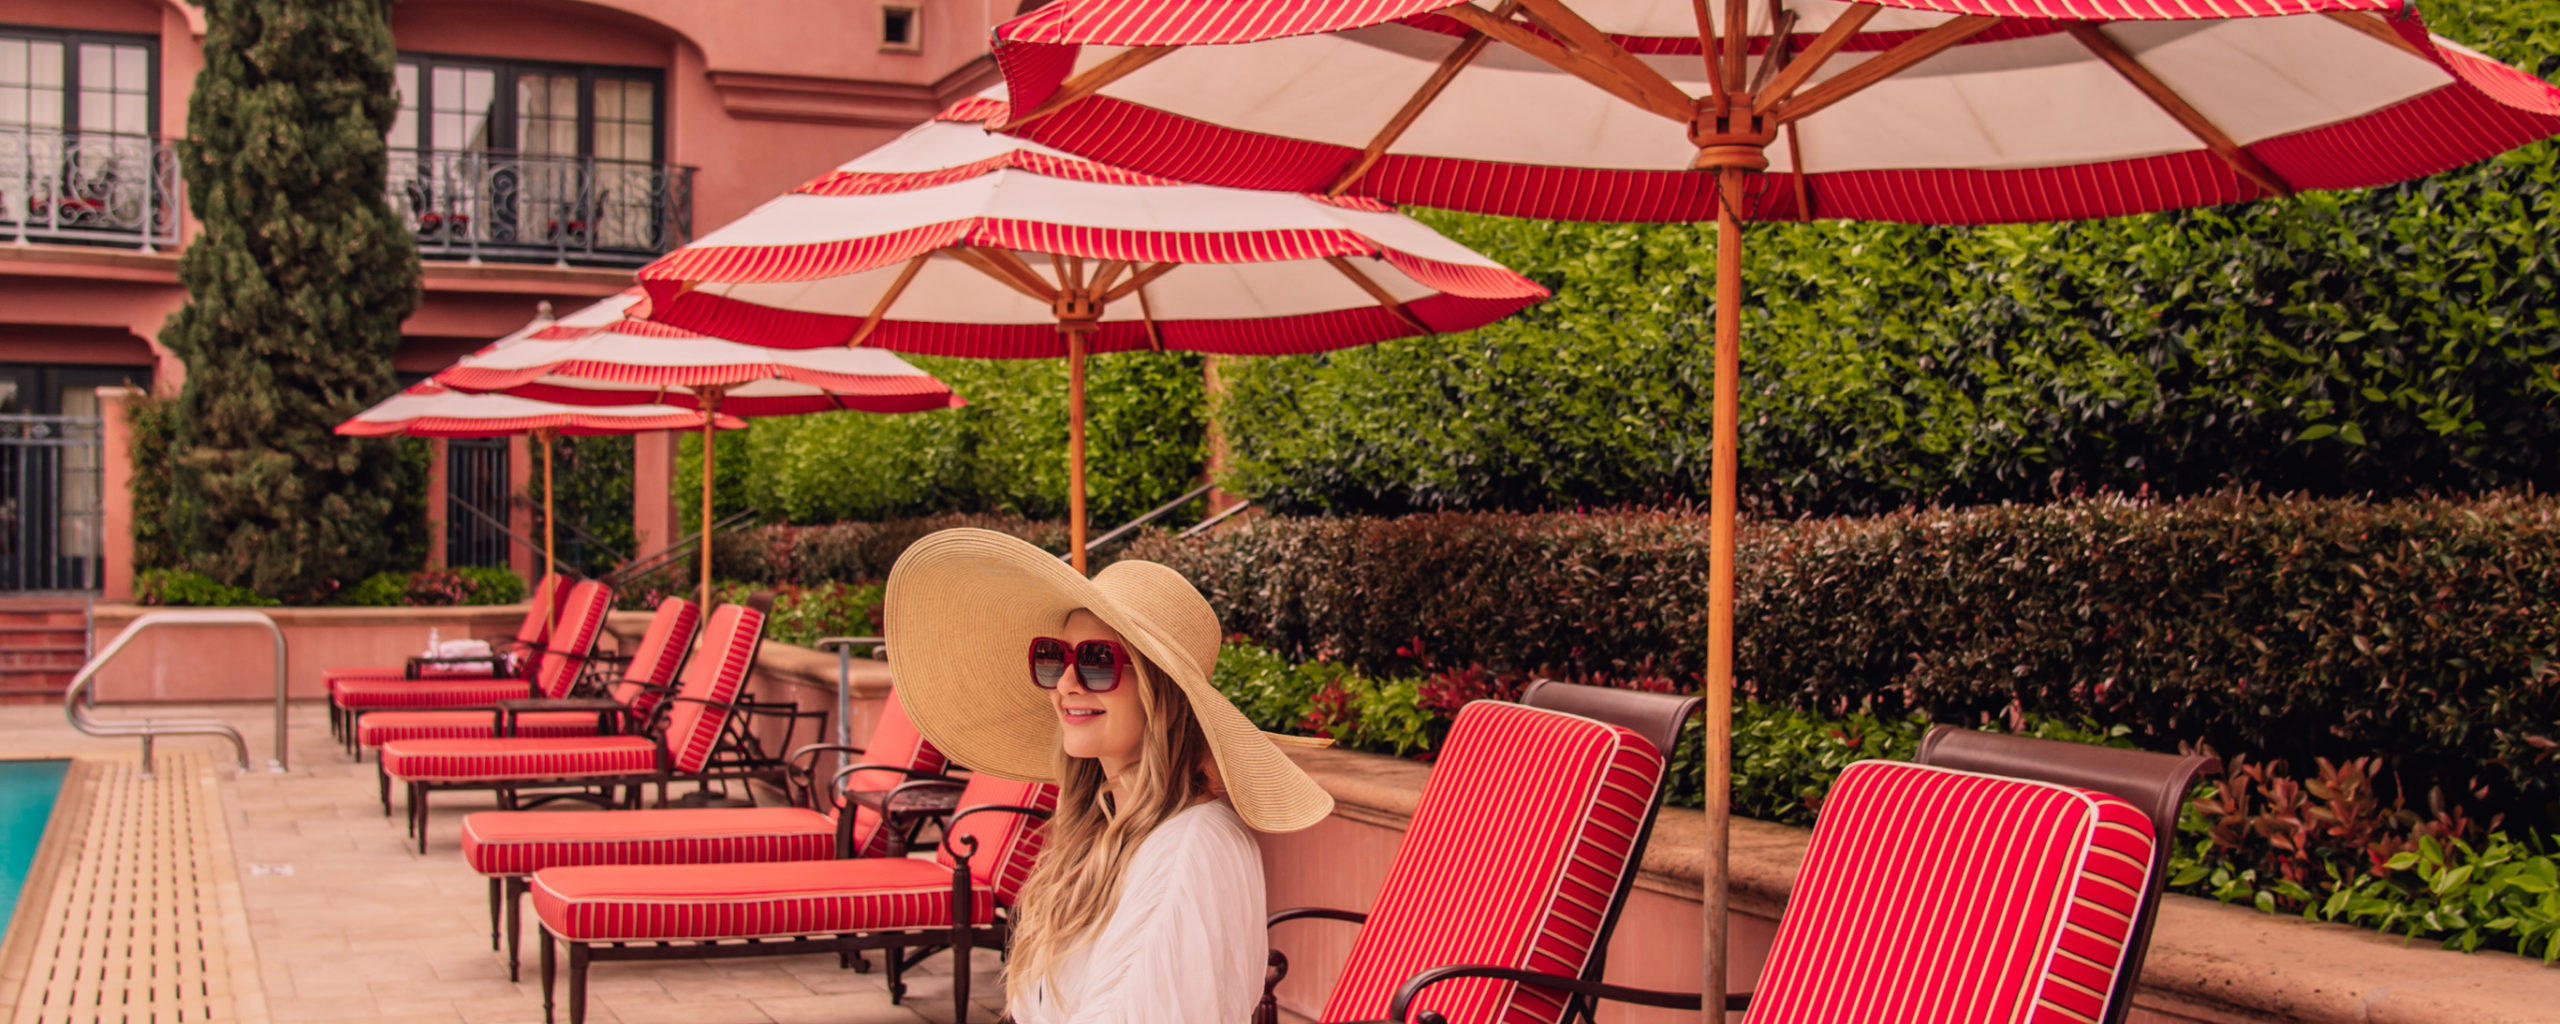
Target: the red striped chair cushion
(659, 656)
(492, 760)
(393, 726)
(682, 902)
(541, 609)
(523, 842)
(896, 743)
(1944, 896)
(716, 674)
(1008, 844)
(1521, 837)
(573, 639)
(390, 694)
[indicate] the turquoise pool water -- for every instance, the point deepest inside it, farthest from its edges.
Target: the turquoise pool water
(27, 790)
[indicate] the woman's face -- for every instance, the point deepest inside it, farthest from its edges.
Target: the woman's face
(1109, 727)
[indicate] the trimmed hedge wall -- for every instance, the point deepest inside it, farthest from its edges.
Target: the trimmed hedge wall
(2428, 630)
(813, 556)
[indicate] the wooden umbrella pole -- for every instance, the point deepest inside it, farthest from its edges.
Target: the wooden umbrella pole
(1076, 343)
(710, 414)
(1713, 882)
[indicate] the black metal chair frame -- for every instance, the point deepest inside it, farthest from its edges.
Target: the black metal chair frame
(2155, 783)
(905, 948)
(1658, 717)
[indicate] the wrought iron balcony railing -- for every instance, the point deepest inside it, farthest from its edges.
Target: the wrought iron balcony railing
(482, 205)
(92, 188)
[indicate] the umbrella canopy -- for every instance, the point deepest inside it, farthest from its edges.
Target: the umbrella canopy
(606, 355)
(952, 241)
(1936, 111)
(1932, 111)
(430, 410)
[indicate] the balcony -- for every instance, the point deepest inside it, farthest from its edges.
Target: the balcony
(88, 188)
(480, 205)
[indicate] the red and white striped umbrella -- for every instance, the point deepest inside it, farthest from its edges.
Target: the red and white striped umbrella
(605, 355)
(1929, 111)
(952, 241)
(426, 409)
(430, 410)
(1932, 111)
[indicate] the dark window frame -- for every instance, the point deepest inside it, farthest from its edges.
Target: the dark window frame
(71, 40)
(503, 121)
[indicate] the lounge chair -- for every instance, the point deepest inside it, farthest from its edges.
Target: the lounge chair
(897, 765)
(1521, 852)
(627, 707)
(909, 907)
(553, 671)
(542, 609)
(556, 707)
(2056, 904)
(698, 735)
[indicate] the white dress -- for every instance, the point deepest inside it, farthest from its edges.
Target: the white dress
(1186, 943)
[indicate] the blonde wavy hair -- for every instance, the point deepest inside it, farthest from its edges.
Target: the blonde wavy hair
(1076, 882)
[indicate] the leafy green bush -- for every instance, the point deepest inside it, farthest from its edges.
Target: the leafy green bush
(2394, 341)
(804, 615)
(187, 588)
(461, 585)
(850, 551)
(2295, 629)
(1005, 453)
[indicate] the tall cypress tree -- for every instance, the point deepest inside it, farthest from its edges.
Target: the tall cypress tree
(295, 293)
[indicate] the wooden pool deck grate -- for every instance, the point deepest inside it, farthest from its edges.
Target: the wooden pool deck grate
(144, 920)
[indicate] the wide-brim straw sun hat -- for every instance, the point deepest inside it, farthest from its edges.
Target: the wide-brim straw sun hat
(962, 608)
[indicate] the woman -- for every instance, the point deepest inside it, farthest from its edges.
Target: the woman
(1146, 904)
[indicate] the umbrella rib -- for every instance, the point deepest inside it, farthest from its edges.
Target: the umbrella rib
(1137, 281)
(2372, 24)
(1783, 28)
(1008, 268)
(1093, 79)
(1147, 312)
(1886, 65)
(2177, 107)
(1375, 292)
(1716, 91)
(1814, 56)
(1456, 61)
(880, 309)
(1737, 41)
(1581, 64)
(1564, 22)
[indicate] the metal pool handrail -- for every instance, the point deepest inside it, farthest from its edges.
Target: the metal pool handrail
(73, 697)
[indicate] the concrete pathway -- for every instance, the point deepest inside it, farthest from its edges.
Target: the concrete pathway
(349, 922)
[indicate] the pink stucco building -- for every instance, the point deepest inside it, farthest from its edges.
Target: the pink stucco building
(545, 148)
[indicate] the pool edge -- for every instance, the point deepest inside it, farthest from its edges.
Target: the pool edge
(71, 805)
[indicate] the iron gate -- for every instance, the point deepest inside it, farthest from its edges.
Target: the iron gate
(475, 479)
(51, 513)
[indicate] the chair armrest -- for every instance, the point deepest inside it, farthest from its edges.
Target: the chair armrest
(1322, 913)
(815, 749)
(1399, 1007)
(962, 814)
(837, 783)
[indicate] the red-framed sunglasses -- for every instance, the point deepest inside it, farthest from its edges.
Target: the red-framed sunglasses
(1097, 663)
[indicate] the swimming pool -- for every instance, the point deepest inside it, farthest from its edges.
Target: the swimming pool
(27, 792)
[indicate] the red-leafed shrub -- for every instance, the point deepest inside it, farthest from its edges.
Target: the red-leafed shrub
(852, 552)
(2428, 630)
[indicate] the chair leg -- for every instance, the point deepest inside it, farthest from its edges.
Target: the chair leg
(960, 974)
(383, 775)
(515, 920)
(418, 805)
(577, 983)
(496, 890)
(549, 969)
(897, 976)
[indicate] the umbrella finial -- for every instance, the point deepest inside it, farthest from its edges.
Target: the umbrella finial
(542, 311)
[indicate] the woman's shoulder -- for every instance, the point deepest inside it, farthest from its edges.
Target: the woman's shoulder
(1207, 829)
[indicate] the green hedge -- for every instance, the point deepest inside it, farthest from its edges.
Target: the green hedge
(1003, 454)
(2297, 629)
(852, 552)
(2396, 341)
